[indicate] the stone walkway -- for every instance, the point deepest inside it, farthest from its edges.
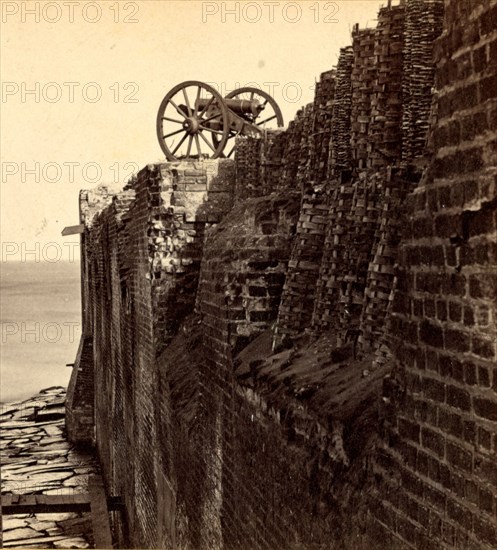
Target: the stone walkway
(36, 458)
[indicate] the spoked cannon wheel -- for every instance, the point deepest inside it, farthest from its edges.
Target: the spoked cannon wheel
(192, 122)
(266, 116)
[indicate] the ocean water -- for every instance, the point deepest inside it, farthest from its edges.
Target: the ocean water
(40, 316)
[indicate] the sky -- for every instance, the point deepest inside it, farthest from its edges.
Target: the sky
(82, 82)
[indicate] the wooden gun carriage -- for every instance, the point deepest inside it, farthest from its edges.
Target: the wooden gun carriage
(195, 121)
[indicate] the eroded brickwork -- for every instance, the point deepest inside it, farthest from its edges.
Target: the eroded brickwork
(423, 24)
(295, 312)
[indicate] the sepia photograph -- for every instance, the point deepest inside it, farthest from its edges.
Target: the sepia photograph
(248, 274)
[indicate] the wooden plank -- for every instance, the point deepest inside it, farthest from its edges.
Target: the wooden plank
(14, 504)
(37, 504)
(99, 513)
(27, 500)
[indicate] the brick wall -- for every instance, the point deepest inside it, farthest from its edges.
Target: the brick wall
(80, 422)
(242, 273)
(439, 457)
(141, 259)
(80, 412)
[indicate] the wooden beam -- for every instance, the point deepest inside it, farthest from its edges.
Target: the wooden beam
(73, 230)
(46, 504)
(99, 513)
(115, 504)
(38, 504)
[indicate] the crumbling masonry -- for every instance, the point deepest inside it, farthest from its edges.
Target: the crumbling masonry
(297, 348)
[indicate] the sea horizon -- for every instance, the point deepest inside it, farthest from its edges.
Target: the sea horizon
(40, 316)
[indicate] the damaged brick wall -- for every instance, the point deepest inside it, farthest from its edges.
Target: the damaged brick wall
(385, 129)
(243, 267)
(340, 277)
(142, 253)
(238, 441)
(297, 302)
(439, 458)
(257, 464)
(363, 72)
(348, 267)
(423, 24)
(340, 124)
(80, 409)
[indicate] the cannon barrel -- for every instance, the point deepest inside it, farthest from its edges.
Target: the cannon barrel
(238, 106)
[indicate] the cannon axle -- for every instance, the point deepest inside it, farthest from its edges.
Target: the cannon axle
(191, 125)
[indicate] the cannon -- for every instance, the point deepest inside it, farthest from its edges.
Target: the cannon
(194, 121)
